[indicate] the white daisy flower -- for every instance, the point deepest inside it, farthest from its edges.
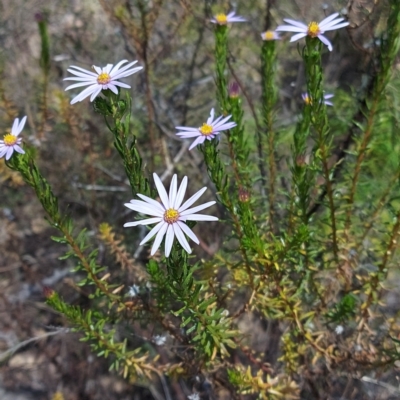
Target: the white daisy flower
(270, 35)
(313, 29)
(11, 142)
(159, 340)
(223, 19)
(101, 79)
(308, 100)
(339, 329)
(170, 215)
(207, 131)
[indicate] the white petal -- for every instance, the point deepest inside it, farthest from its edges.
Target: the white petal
(124, 74)
(211, 117)
(21, 126)
(296, 23)
(87, 92)
(95, 94)
(194, 198)
(297, 37)
(120, 84)
(159, 238)
(18, 149)
(198, 208)
(153, 202)
(152, 232)
(216, 125)
(118, 66)
(98, 70)
(199, 140)
(75, 85)
(169, 240)
(112, 88)
(147, 221)
(188, 231)
(334, 27)
(187, 135)
(88, 80)
(108, 68)
(3, 150)
(187, 129)
(10, 150)
(173, 188)
(288, 28)
(200, 217)
(328, 19)
(14, 128)
(144, 208)
(81, 69)
(181, 194)
(325, 41)
(161, 191)
(181, 238)
(322, 26)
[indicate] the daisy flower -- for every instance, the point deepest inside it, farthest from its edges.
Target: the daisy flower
(207, 131)
(313, 29)
(11, 142)
(308, 100)
(223, 19)
(101, 79)
(270, 35)
(170, 215)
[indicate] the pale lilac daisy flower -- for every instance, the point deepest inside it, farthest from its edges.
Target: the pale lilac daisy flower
(11, 142)
(224, 19)
(101, 79)
(207, 131)
(170, 215)
(308, 100)
(270, 35)
(313, 29)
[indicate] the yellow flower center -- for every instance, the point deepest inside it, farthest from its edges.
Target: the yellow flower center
(313, 29)
(9, 139)
(222, 19)
(206, 129)
(171, 216)
(269, 35)
(103, 78)
(307, 100)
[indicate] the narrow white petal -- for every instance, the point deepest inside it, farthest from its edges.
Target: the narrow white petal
(75, 85)
(98, 70)
(10, 150)
(211, 117)
(87, 92)
(194, 198)
(161, 191)
(112, 87)
(18, 149)
(185, 128)
(108, 68)
(153, 202)
(325, 41)
(199, 140)
(181, 194)
(200, 217)
(181, 238)
(173, 188)
(169, 240)
(21, 126)
(188, 231)
(124, 74)
(144, 208)
(328, 19)
(118, 66)
(147, 221)
(288, 28)
(187, 135)
(14, 128)
(296, 23)
(88, 80)
(3, 150)
(224, 127)
(152, 232)
(297, 37)
(120, 84)
(334, 27)
(81, 69)
(322, 26)
(219, 123)
(95, 93)
(198, 208)
(159, 238)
